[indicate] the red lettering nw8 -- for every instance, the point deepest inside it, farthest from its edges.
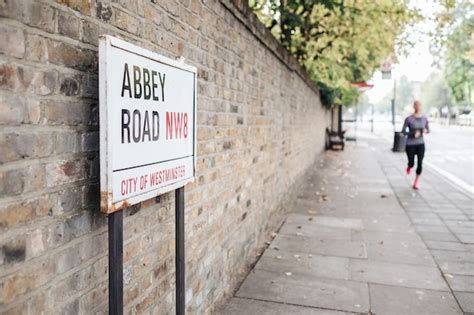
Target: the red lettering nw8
(176, 125)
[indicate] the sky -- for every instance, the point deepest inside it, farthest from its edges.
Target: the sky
(417, 66)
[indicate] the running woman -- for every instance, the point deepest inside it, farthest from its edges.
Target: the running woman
(414, 127)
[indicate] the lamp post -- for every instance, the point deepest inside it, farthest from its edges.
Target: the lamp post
(393, 102)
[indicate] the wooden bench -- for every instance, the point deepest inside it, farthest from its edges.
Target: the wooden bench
(334, 138)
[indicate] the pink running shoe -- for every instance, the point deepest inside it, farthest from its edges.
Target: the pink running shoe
(416, 184)
(408, 170)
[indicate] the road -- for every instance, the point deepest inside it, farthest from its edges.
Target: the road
(452, 150)
(449, 151)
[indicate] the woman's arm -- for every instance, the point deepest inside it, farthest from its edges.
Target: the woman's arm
(406, 129)
(405, 126)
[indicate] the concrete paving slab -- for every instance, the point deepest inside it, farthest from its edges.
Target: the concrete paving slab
(466, 238)
(461, 283)
(306, 291)
(436, 236)
(451, 216)
(431, 228)
(466, 300)
(389, 300)
(299, 244)
(304, 264)
(469, 247)
(445, 245)
(396, 252)
(448, 210)
(457, 267)
(429, 215)
(240, 306)
(424, 209)
(428, 221)
(337, 222)
(450, 255)
(411, 238)
(402, 275)
(309, 229)
(459, 223)
(462, 230)
(388, 223)
(405, 248)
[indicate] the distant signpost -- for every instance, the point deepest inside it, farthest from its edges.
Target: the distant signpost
(386, 69)
(147, 143)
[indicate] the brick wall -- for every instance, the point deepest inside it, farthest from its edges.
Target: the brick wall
(260, 125)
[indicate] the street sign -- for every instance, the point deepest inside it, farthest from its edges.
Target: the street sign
(386, 69)
(147, 124)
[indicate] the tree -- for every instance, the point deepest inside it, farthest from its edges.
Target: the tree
(435, 92)
(459, 62)
(404, 93)
(337, 41)
(453, 44)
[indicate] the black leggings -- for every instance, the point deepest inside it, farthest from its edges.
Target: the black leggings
(419, 151)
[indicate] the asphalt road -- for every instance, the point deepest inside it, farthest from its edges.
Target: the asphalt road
(449, 151)
(452, 149)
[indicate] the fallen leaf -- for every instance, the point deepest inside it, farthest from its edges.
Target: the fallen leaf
(323, 198)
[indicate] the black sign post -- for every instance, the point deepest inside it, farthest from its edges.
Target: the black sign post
(116, 263)
(116, 258)
(180, 260)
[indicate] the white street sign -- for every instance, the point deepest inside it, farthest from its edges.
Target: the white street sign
(147, 124)
(386, 69)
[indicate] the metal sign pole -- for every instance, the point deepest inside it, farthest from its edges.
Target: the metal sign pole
(179, 244)
(116, 263)
(393, 102)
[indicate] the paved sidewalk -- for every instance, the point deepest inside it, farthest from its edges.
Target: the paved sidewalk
(348, 246)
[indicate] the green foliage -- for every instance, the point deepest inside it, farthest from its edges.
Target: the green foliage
(454, 46)
(337, 41)
(435, 92)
